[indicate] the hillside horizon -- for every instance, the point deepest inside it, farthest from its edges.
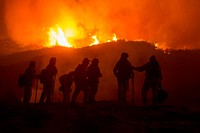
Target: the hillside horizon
(180, 69)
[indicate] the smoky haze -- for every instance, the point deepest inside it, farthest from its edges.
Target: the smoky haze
(171, 23)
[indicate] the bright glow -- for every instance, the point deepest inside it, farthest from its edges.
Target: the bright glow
(96, 41)
(70, 37)
(161, 47)
(114, 37)
(156, 45)
(57, 37)
(102, 18)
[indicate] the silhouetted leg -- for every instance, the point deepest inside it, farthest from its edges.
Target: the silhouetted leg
(145, 89)
(95, 88)
(124, 91)
(154, 95)
(155, 86)
(49, 94)
(64, 95)
(68, 95)
(27, 94)
(119, 97)
(92, 92)
(86, 95)
(75, 94)
(44, 94)
(124, 96)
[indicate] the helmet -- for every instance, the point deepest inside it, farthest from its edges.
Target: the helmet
(85, 60)
(124, 55)
(95, 60)
(152, 58)
(32, 63)
(52, 60)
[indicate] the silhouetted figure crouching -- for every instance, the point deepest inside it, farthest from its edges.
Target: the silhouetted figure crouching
(66, 82)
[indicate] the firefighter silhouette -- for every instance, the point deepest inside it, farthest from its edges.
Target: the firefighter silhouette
(153, 77)
(123, 70)
(81, 81)
(93, 73)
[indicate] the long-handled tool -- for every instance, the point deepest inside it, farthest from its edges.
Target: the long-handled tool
(36, 90)
(52, 93)
(133, 89)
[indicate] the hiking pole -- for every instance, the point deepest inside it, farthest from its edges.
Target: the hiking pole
(52, 93)
(133, 90)
(36, 90)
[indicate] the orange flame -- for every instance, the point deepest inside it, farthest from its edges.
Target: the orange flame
(161, 47)
(59, 37)
(96, 41)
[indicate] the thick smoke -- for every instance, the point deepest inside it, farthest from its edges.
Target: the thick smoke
(171, 23)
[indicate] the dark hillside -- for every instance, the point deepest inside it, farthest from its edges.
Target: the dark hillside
(180, 69)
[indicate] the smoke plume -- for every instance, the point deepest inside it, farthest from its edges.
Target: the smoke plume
(171, 23)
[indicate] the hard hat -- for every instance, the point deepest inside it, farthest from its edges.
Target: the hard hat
(95, 60)
(86, 60)
(124, 55)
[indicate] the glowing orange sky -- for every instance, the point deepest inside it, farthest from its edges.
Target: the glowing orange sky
(172, 23)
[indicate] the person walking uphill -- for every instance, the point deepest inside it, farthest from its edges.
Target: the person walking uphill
(152, 80)
(29, 76)
(93, 73)
(80, 80)
(48, 80)
(123, 70)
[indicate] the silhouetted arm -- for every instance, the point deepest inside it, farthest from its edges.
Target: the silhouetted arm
(141, 68)
(115, 69)
(99, 71)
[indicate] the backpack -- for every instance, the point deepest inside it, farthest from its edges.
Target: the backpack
(21, 80)
(43, 76)
(161, 96)
(61, 80)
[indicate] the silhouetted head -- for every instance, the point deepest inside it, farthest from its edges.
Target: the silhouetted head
(124, 55)
(52, 61)
(85, 61)
(153, 58)
(32, 63)
(95, 61)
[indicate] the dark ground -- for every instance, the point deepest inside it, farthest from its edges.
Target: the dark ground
(101, 117)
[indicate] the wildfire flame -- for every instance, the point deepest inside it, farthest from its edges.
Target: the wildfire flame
(59, 37)
(96, 41)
